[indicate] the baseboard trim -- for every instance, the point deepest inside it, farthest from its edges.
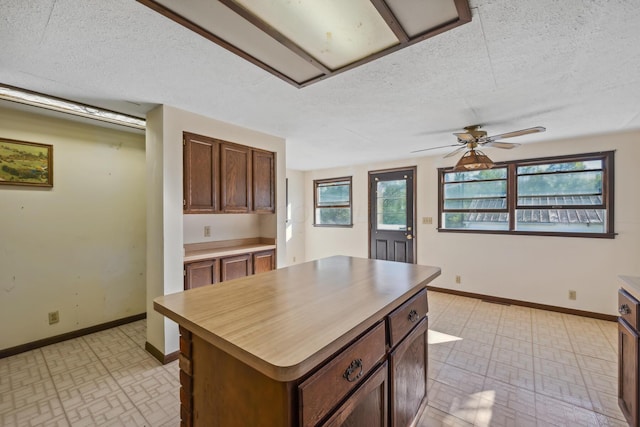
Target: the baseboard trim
(500, 300)
(12, 351)
(162, 358)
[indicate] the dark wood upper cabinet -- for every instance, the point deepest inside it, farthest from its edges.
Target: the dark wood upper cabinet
(201, 171)
(235, 166)
(221, 176)
(263, 181)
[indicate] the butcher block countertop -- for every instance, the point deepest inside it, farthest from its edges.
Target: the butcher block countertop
(283, 323)
(205, 250)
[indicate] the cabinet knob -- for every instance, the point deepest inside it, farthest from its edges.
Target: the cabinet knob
(350, 374)
(413, 316)
(624, 309)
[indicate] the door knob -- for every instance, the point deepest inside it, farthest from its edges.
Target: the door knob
(409, 237)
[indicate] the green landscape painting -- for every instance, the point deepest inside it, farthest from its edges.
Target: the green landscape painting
(26, 163)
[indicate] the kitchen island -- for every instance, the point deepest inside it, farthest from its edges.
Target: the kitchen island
(332, 341)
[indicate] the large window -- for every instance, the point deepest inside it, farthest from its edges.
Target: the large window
(568, 195)
(332, 201)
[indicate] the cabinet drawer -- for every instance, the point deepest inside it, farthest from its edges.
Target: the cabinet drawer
(628, 308)
(406, 317)
(321, 392)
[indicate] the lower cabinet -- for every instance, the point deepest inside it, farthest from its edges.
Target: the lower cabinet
(408, 376)
(264, 261)
(628, 353)
(628, 372)
(201, 273)
(215, 270)
(367, 406)
(235, 267)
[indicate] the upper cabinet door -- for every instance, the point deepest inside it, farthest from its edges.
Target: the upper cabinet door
(200, 156)
(235, 168)
(263, 181)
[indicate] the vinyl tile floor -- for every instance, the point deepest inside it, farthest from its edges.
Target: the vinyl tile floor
(489, 365)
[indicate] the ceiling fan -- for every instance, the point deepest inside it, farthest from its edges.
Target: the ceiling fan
(474, 137)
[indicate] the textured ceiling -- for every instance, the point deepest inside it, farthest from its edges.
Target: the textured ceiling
(572, 66)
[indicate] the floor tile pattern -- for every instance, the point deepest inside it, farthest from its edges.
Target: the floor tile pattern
(102, 379)
(500, 365)
(489, 365)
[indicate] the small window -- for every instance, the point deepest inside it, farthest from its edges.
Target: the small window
(332, 201)
(567, 195)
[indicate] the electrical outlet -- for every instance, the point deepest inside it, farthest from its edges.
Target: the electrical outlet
(427, 220)
(572, 295)
(207, 231)
(54, 317)
(458, 279)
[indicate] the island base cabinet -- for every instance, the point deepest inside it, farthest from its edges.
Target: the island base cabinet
(367, 406)
(628, 372)
(408, 377)
(228, 393)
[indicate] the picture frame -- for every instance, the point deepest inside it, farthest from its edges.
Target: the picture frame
(26, 163)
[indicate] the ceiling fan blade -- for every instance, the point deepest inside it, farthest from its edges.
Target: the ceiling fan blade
(436, 148)
(514, 133)
(454, 152)
(498, 144)
(466, 137)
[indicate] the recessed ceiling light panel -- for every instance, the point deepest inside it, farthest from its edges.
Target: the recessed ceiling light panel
(305, 41)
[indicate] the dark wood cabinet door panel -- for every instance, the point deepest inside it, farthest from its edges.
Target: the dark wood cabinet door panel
(201, 273)
(406, 317)
(408, 377)
(263, 181)
(201, 169)
(235, 267)
(235, 165)
(628, 372)
(367, 406)
(324, 390)
(264, 261)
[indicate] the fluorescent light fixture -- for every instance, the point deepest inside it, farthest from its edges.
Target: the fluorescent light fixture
(35, 99)
(305, 41)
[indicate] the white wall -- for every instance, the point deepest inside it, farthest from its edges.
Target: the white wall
(169, 229)
(79, 247)
(295, 229)
(529, 268)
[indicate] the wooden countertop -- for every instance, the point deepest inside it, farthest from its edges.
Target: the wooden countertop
(216, 249)
(631, 284)
(285, 322)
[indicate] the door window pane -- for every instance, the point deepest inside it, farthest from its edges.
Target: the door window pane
(391, 205)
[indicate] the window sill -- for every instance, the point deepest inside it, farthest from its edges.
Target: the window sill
(532, 233)
(334, 225)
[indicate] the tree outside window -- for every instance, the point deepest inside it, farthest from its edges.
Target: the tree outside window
(332, 202)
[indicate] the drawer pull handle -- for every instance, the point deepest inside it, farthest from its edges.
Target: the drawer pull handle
(624, 309)
(355, 366)
(413, 316)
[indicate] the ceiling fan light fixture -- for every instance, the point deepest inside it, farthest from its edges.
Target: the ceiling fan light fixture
(473, 160)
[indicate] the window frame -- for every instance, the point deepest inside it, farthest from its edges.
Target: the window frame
(608, 177)
(325, 181)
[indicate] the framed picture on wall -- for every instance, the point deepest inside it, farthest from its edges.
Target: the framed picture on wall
(26, 163)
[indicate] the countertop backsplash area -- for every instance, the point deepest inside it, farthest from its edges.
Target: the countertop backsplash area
(198, 228)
